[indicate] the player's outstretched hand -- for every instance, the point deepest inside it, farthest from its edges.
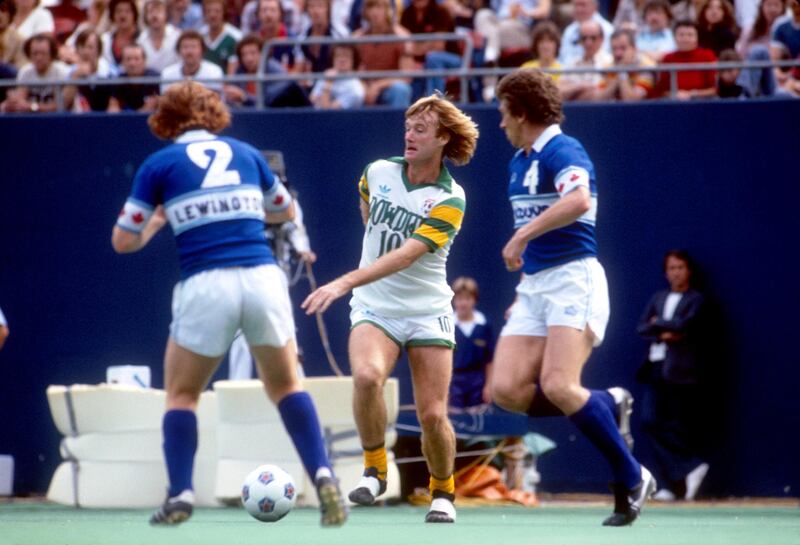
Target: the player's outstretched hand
(322, 297)
(512, 254)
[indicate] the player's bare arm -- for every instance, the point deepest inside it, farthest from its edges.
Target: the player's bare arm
(389, 263)
(125, 242)
(564, 212)
(282, 216)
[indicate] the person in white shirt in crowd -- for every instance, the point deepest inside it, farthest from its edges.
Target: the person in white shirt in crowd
(507, 24)
(42, 50)
(583, 86)
(656, 39)
(125, 30)
(339, 93)
(571, 46)
(32, 18)
(192, 65)
(159, 38)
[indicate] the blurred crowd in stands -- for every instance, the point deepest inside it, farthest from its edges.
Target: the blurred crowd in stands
(87, 41)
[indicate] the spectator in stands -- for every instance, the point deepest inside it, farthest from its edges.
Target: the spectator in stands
(627, 86)
(760, 32)
(159, 39)
(687, 10)
(11, 42)
(343, 93)
(271, 26)
(220, 36)
(41, 49)
(786, 34)
(277, 94)
(786, 80)
(630, 15)
(463, 12)
(96, 19)
(192, 65)
(717, 28)
(387, 56)
(694, 83)
(184, 14)
(317, 58)
(571, 50)
(727, 78)
(31, 19)
(125, 18)
(546, 41)
(672, 323)
(90, 65)
(136, 97)
(656, 40)
(425, 17)
(509, 27)
(472, 359)
(583, 86)
(3, 329)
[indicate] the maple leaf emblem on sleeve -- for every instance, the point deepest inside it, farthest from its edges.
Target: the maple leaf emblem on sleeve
(138, 217)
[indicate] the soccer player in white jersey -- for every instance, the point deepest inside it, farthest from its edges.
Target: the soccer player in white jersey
(412, 208)
(562, 304)
(213, 191)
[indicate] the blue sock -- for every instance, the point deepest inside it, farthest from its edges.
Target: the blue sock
(180, 444)
(300, 419)
(596, 421)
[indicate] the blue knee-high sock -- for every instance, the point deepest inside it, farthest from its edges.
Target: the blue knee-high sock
(180, 445)
(596, 421)
(300, 419)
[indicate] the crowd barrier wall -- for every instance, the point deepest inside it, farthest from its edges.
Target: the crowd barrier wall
(714, 178)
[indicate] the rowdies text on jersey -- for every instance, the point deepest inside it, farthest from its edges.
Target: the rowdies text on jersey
(396, 218)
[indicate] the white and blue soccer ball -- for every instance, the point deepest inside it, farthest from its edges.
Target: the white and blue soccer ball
(268, 493)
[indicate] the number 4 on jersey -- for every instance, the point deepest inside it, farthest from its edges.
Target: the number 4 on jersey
(215, 163)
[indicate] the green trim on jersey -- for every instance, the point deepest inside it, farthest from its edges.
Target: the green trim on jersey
(379, 326)
(431, 342)
(445, 180)
(432, 246)
(455, 202)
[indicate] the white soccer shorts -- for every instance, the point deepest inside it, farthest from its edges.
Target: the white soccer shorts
(209, 307)
(420, 330)
(573, 295)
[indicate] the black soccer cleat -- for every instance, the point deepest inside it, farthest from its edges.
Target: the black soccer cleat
(369, 487)
(331, 503)
(628, 504)
(175, 510)
(623, 408)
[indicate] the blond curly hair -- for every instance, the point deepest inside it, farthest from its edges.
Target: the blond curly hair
(188, 105)
(463, 131)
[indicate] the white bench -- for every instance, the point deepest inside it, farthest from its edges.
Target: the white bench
(112, 441)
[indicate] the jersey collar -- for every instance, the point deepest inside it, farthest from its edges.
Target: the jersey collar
(194, 135)
(445, 180)
(549, 133)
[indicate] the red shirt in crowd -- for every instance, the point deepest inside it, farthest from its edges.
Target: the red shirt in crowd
(688, 80)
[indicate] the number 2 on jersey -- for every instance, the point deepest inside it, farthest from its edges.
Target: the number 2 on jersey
(215, 164)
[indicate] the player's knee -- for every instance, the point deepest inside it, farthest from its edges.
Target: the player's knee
(558, 388)
(432, 417)
(505, 395)
(367, 377)
(182, 399)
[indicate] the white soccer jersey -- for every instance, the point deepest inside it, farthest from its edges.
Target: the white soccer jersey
(431, 213)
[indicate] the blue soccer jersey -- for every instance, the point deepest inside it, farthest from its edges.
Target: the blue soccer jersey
(556, 165)
(214, 191)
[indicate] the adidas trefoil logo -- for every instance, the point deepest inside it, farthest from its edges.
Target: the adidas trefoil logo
(384, 188)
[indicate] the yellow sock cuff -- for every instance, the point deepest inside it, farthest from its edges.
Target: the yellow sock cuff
(445, 485)
(377, 458)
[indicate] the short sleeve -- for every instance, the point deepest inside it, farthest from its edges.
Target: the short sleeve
(142, 202)
(442, 224)
(572, 167)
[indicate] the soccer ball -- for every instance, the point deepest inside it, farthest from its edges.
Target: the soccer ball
(268, 493)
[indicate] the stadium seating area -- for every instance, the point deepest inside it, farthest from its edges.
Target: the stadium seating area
(596, 50)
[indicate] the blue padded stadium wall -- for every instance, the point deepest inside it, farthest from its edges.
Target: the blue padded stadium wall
(714, 178)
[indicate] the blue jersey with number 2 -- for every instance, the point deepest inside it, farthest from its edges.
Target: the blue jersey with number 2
(213, 190)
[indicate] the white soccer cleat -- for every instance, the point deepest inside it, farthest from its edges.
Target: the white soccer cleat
(442, 510)
(694, 479)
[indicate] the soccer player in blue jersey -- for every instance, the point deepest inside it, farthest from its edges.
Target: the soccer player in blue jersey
(214, 191)
(562, 304)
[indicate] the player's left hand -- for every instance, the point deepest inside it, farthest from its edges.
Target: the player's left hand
(512, 254)
(322, 297)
